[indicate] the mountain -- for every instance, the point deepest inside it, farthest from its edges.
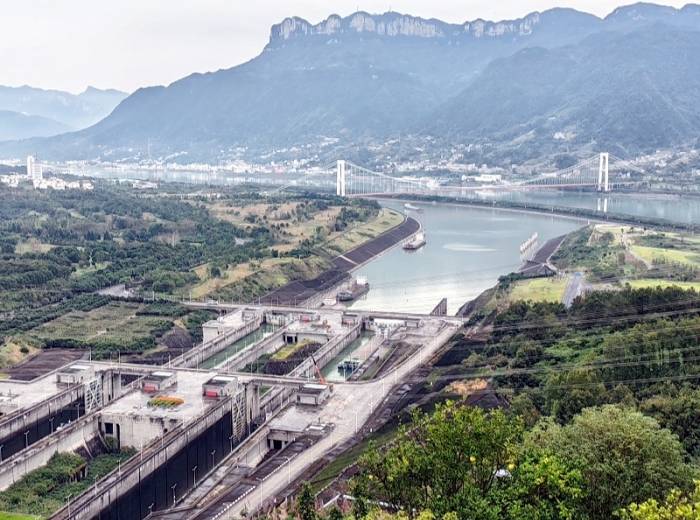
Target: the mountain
(631, 91)
(15, 125)
(356, 81)
(73, 111)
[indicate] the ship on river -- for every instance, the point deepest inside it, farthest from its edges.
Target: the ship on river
(416, 242)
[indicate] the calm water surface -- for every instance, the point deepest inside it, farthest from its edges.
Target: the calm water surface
(467, 250)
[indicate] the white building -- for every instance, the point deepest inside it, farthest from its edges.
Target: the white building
(34, 171)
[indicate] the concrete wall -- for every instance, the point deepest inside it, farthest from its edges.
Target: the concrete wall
(72, 437)
(198, 354)
(109, 490)
(266, 346)
(18, 421)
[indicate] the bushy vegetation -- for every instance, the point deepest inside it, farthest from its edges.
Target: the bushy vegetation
(45, 490)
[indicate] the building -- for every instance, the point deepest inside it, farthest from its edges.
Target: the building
(34, 171)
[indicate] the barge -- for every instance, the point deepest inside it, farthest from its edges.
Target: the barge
(415, 243)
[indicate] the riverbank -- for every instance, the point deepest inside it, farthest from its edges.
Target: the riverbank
(299, 291)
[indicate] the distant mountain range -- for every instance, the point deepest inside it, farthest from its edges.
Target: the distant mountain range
(33, 112)
(551, 81)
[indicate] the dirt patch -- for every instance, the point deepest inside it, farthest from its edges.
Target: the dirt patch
(43, 362)
(280, 367)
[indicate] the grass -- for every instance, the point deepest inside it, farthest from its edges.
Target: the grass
(32, 246)
(539, 289)
(288, 351)
(349, 239)
(17, 516)
(351, 456)
(653, 254)
(82, 271)
(651, 282)
(117, 320)
(46, 489)
(13, 351)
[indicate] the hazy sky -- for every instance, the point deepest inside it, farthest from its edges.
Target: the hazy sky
(126, 44)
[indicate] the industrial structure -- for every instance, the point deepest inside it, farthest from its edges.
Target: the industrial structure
(185, 421)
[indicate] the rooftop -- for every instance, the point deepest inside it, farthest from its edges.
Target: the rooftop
(188, 388)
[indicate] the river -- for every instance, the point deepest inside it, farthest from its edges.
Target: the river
(467, 249)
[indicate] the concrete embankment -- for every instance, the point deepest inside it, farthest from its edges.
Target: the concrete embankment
(297, 292)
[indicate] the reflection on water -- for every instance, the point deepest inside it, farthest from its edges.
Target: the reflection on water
(445, 267)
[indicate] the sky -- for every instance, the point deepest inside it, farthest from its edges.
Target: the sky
(127, 44)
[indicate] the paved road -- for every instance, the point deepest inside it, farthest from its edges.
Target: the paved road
(573, 289)
(348, 409)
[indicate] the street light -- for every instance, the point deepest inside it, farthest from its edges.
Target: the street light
(194, 476)
(173, 488)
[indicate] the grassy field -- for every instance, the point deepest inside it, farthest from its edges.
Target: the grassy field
(539, 289)
(652, 254)
(17, 516)
(32, 246)
(650, 282)
(82, 271)
(13, 351)
(115, 321)
(351, 238)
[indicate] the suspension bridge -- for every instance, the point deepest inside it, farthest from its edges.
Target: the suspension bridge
(602, 172)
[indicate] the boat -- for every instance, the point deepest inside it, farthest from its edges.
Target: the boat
(416, 242)
(357, 288)
(411, 207)
(349, 365)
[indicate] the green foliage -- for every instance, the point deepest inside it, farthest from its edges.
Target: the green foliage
(44, 490)
(306, 504)
(676, 506)
(466, 461)
(623, 455)
(680, 413)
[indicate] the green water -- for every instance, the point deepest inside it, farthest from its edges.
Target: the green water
(257, 335)
(331, 372)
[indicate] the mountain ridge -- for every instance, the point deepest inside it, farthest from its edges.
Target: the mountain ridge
(358, 81)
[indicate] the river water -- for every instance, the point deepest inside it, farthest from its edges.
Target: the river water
(467, 250)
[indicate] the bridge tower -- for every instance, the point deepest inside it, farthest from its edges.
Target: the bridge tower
(340, 178)
(603, 172)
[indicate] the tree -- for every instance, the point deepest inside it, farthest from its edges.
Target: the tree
(676, 506)
(466, 461)
(306, 504)
(569, 392)
(679, 413)
(624, 456)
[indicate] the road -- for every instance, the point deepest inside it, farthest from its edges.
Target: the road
(348, 409)
(573, 289)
